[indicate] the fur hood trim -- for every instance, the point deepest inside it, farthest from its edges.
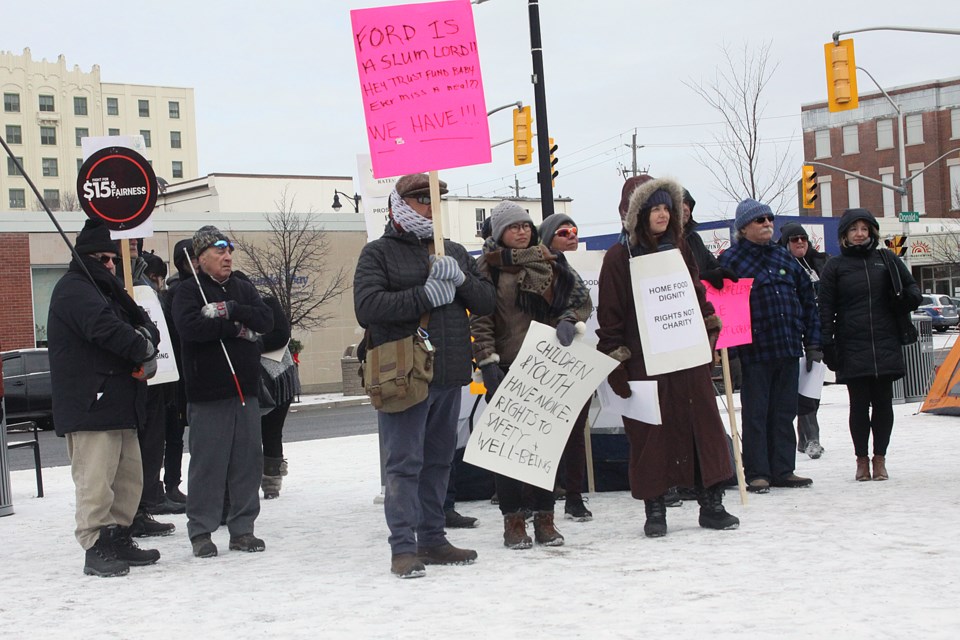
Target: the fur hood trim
(642, 193)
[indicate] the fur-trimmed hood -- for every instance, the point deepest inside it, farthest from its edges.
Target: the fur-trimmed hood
(640, 196)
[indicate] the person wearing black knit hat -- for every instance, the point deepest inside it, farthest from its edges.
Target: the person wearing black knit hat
(866, 319)
(102, 349)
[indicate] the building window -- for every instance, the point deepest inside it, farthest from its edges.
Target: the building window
(113, 132)
(48, 135)
(853, 193)
(52, 198)
(955, 186)
(916, 192)
(174, 139)
(18, 199)
(46, 103)
(884, 134)
(174, 110)
(50, 169)
(825, 199)
(955, 123)
(887, 195)
(82, 132)
(12, 169)
(851, 140)
(79, 106)
(79, 164)
(14, 134)
(177, 169)
(146, 138)
(11, 102)
(144, 107)
(915, 129)
(113, 107)
(822, 140)
(480, 216)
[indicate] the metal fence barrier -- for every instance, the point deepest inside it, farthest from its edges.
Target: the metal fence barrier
(6, 493)
(918, 358)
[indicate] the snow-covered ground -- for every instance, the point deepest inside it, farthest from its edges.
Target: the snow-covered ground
(841, 559)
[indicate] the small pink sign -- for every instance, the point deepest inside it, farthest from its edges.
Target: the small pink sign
(732, 304)
(421, 87)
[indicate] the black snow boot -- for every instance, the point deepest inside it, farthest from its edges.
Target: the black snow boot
(129, 551)
(101, 559)
(656, 524)
(712, 513)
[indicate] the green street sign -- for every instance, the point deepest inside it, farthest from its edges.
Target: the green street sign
(909, 216)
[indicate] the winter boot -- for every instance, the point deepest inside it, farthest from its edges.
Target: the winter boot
(247, 542)
(515, 531)
(129, 551)
(863, 468)
(446, 553)
(272, 477)
(176, 495)
(454, 520)
(545, 531)
(407, 565)
(203, 546)
(144, 526)
(656, 524)
(880, 468)
(672, 498)
(101, 559)
(575, 510)
(712, 513)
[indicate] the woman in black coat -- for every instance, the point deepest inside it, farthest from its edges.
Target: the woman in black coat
(862, 337)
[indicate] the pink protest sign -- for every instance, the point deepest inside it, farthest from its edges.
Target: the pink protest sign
(732, 304)
(421, 87)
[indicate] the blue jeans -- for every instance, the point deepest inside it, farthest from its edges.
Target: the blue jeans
(768, 397)
(419, 445)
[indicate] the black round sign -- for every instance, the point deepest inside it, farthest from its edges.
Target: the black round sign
(118, 186)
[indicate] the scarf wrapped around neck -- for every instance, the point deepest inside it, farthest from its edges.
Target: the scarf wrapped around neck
(407, 219)
(544, 286)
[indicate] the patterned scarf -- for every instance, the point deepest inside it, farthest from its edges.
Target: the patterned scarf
(543, 286)
(407, 219)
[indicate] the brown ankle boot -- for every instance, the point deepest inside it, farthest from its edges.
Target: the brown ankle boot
(545, 531)
(863, 468)
(880, 468)
(515, 531)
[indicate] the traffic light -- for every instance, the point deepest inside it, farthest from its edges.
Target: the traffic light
(897, 244)
(808, 186)
(522, 135)
(553, 164)
(841, 76)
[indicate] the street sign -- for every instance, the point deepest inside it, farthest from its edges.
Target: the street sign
(909, 216)
(118, 186)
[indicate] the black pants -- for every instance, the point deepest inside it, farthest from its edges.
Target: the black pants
(271, 429)
(867, 393)
(176, 422)
(152, 444)
(514, 495)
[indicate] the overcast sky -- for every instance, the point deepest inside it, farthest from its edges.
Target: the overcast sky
(277, 89)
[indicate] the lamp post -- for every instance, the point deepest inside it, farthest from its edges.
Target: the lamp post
(354, 200)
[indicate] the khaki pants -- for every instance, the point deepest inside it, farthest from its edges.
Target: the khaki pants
(108, 475)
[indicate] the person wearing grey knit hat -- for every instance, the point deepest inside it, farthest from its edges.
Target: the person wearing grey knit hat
(565, 241)
(751, 210)
(507, 214)
(208, 236)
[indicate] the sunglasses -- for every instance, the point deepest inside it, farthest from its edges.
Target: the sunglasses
(763, 219)
(223, 244)
(105, 260)
(567, 231)
(798, 238)
(423, 199)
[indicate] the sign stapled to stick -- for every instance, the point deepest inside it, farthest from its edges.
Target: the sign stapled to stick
(117, 186)
(732, 304)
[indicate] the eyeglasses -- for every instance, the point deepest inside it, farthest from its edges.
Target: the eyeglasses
(798, 238)
(763, 219)
(516, 227)
(567, 231)
(223, 244)
(105, 259)
(423, 199)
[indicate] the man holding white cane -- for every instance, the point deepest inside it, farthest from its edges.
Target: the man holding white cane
(218, 319)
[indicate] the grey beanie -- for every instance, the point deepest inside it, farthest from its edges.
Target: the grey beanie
(548, 228)
(748, 211)
(505, 214)
(204, 238)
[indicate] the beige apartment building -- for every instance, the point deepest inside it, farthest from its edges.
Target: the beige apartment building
(48, 108)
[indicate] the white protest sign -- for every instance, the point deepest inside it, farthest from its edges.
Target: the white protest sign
(146, 297)
(643, 403)
(587, 264)
(672, 332)
(90, 145)
(524, 429)
(810, 384)
(375, 196)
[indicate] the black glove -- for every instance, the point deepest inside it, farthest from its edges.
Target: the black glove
(492, 377)
(619, 381)
(565, 332)
(716, 276)
(830, 356)
(813, 355)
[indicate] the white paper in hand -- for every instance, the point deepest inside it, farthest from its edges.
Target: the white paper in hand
(643, 404)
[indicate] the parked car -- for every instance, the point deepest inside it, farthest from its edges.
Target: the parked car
(26, 383)
(941, 310)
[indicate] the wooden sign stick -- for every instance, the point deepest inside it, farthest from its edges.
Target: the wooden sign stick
(437, 213)
(734, 434)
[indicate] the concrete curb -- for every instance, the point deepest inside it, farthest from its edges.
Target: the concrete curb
(332, 404)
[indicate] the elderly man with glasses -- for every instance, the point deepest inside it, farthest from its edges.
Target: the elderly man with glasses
(785, 324)
(219, 317)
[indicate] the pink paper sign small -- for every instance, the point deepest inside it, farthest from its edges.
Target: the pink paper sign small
(732, 304)
(421, 87)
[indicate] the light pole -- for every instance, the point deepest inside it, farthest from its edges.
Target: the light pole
(354, 200)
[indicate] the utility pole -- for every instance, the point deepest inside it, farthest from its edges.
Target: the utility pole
(545, 175)
(634, 148)
(516, 186)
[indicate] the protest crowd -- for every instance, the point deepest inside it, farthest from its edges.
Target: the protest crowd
(435, 319)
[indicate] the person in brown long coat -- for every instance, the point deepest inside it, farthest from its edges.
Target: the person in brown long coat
(689, 448)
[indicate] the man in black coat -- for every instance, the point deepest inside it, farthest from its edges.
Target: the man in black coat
(218, 330)
(102, 349)
(396, 284)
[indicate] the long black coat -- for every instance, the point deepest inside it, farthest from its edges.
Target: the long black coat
(857, 313)
(93, 347)
(388, 299)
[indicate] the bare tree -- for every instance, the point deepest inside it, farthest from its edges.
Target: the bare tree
(69, 202)
(292, 265)
(740, 159)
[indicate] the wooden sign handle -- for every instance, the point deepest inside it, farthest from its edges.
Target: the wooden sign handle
(437, 212)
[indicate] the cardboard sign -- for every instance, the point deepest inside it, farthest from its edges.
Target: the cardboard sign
(672, 332)
(524, 429)
(146, 297)
(421, 87)
(732, 304)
